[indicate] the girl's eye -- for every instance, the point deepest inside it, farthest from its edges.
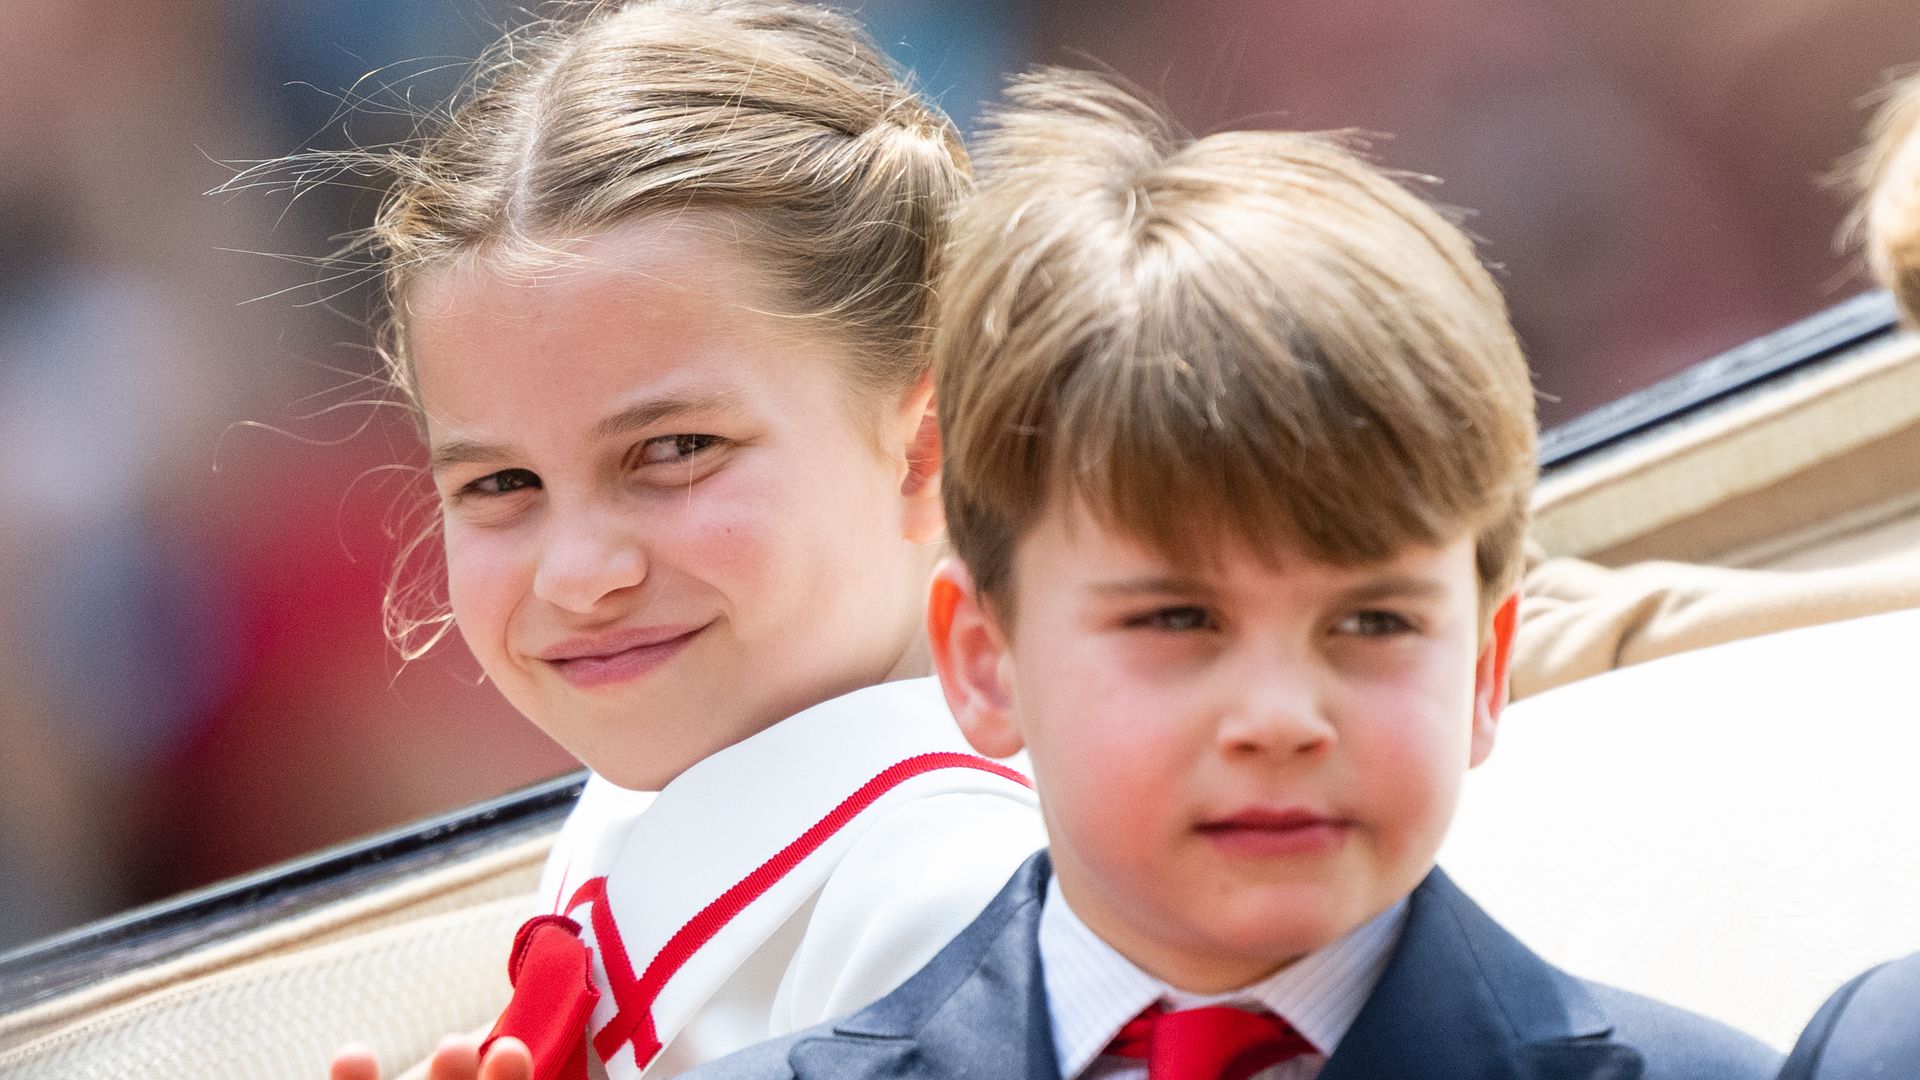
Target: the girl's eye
(1374, 624)
(502, 483)
(675, 449)
(1180, 619)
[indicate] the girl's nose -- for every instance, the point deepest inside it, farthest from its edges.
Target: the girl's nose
(586, 560)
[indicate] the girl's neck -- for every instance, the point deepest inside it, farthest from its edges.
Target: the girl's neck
(915, 660)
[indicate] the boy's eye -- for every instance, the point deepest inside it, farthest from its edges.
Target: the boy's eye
(502, 483)
(675, 449)
(1175, 619)
(1374, 624)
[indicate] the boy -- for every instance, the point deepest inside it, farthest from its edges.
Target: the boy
(1239, 445)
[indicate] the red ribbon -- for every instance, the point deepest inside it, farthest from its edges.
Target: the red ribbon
(553, 997)
(551, 967)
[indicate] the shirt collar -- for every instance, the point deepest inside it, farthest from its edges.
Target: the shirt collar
(1092, 990)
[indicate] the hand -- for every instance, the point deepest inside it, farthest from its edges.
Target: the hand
(355, 1061)
(457, 1058)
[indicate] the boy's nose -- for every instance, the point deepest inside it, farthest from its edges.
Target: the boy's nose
(583, 562)
(1276, 718)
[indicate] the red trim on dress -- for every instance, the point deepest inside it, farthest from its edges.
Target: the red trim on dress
(634, 999)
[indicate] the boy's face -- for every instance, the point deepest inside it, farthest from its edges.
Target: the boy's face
(1238, 760)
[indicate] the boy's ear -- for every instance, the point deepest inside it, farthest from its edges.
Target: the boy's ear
(926, 519)
(969, 653)
(1490, 677)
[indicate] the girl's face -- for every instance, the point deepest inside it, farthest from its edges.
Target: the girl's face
(670, 523)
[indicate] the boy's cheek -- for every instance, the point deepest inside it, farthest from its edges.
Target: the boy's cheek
(1410, 777)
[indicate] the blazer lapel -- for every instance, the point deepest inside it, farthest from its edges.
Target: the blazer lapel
(978, 1009)
(1462, 998)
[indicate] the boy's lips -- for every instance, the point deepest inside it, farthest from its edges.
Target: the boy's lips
(620, 655)
(1275, 831)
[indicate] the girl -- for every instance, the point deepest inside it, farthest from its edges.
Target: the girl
(658, 294)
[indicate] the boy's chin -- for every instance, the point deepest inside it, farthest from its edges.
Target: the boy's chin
(1283, 925)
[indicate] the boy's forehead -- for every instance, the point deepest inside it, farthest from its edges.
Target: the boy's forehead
(1074, 542)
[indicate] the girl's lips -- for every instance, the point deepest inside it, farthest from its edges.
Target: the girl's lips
(1272, 833)
(619, 657)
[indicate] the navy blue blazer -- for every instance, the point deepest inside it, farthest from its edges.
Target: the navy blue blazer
(1870, 1028)
(1460, 1000)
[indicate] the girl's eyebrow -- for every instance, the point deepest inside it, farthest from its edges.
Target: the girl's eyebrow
(633, 418)
(463, 452)
(645, 414)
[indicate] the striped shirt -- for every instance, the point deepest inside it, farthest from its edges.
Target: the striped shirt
(1092, 991)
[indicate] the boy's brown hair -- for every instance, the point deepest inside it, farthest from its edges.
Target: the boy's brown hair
(1255, 335)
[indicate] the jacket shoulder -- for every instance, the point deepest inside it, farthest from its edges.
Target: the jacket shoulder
(1865, 1029)
(1681, 1045)
(911, 883)
(1461, 996)
(761, 1061)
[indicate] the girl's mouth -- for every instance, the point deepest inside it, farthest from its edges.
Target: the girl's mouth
(618, 657)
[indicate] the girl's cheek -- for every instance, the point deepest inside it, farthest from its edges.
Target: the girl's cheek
(727, 529)
(480, 573)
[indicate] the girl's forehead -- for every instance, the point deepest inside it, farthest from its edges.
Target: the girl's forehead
(694, 258)
(641, 313)
(636, 297)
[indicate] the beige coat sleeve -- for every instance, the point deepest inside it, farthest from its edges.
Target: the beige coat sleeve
(1579, 619)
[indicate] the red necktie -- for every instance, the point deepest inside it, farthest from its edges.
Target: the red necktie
(1217, 1042)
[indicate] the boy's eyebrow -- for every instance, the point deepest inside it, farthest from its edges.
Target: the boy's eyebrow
(1152, 585)
(1396, 587)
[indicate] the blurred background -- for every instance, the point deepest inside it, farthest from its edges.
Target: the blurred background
(198, 502)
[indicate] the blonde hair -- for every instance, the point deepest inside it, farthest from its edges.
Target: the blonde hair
(1886, 173)
(781, 115)
(1254, 334)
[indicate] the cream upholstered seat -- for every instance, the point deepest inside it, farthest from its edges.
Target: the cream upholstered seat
(398, 968)
(1732, 829)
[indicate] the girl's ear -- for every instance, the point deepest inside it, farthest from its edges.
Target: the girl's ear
(970, 653)
(1490, 677)
(926, 519)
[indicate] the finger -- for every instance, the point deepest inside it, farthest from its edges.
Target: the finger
(507, 1059)
(354, 1061)
(456, 1058)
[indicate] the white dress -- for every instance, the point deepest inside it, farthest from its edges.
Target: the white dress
(795, 876)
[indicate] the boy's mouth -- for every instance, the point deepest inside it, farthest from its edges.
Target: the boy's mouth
(1268, 831)
(615, 657)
